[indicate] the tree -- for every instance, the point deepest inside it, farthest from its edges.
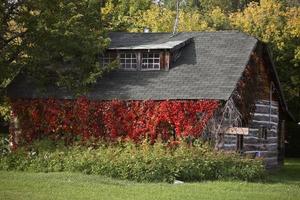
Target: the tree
(55, 36)
(11, 48)
(208, 5)
(120, 15)
(156, 18)
(161, 19)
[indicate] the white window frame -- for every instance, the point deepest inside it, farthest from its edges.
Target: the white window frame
(150, 60)
(129, 57)
(107, 58)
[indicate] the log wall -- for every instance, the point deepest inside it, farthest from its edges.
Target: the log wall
(254, 144)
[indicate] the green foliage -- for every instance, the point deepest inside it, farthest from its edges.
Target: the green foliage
(4, 145)
(226, 5)
(141, 163)
(118, 15)
(207, 5)
(217, 19)
(4, 111)
(56, 36)
(161, 19)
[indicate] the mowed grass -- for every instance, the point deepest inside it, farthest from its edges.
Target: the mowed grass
(38, 186)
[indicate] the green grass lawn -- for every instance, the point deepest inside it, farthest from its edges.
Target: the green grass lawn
(39, 186)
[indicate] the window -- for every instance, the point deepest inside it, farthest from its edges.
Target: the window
(107, 58)
(263, 133)
(239, 143)
(132, 60)
(128, 60)
(150, 61)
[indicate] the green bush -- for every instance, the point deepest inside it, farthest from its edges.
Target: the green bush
(143, 162)
(4, 145)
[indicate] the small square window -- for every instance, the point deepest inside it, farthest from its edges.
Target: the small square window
(128, 60)
(150, 61)
(239, 143)
(263, 133)
(107, 58)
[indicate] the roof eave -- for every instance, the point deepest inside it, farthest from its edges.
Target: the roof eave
(154, 47)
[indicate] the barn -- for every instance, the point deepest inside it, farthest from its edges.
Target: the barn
(219, 86)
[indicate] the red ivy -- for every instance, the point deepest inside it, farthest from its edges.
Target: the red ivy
(110, 120)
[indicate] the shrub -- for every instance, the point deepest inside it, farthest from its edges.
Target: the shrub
(4, 145)
(143, 162)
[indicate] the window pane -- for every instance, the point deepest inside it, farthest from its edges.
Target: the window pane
(128, 60)
(150, 61)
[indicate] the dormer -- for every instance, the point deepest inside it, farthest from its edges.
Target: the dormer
(144, 52)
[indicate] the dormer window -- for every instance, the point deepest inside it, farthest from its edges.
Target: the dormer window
(128, 61)
(150, 61)
(107, 58)
(135, 60)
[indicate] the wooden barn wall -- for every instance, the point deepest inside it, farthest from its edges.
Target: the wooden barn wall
(265, 115)
(255, 144)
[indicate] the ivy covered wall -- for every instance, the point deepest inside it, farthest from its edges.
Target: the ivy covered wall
(84, 119)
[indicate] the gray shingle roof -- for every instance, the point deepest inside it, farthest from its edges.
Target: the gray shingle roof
(121, 40)
(209, 68)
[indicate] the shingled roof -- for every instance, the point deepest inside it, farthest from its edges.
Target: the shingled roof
(209, 68)
(136, 41)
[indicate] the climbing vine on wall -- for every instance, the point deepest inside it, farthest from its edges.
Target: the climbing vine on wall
(249, 88)
(110, 120)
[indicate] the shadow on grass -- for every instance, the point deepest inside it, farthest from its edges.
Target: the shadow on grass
(289, 174)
